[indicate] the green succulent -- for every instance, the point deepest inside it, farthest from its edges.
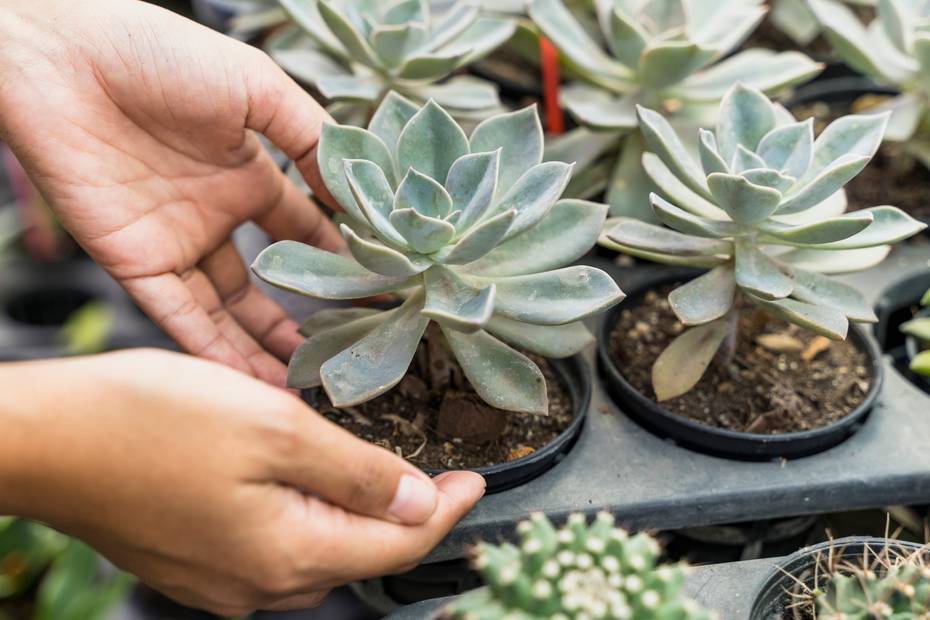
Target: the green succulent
(894, 49)
(356, 51)
(763, 210)
(669, 54)
(576, 572)
(470, 230)
(893, 588)
(920, 328)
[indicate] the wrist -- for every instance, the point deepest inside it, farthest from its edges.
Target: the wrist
(20, 407)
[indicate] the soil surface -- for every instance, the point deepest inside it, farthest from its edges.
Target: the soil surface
(796, 381)
(891, 178)
(437, 421)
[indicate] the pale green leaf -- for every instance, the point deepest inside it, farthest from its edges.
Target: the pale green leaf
(745, 202)
(677, 192)
(918, 328)
(890, 225)
(430, 67)
(819, 232)
(431, 142)
(706, 298)
(390, 119)
(626, 38)
(921, 363)
(344, 31)
(789, 148)
(423, 194)
(303, 371)
(519, 135)
(664, 142)
(746, 115)
(423, 233)
(328, 318)
(478, 241)
(849, 136)
(821, 290)
(339, 143)
(454, 303)
(669, 62)
(758, 274)
(711, 161)
(597, 108)
(374, 196)
(685, 222)
(533, 195)
(828, 322)
(382, 259)
(552, 341)
(350, 87)
(831, 179)
(765, 70)
(835, 261)
(651, 238)
(471, 184)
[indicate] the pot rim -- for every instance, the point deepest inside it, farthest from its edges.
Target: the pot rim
(768, 446)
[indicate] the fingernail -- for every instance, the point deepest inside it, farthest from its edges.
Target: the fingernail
(414, 501)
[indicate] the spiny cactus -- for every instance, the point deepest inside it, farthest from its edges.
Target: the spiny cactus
(919, 328)
(470, 231)
(356, 51)
(763, 210)
(890, 587)
(894, 49)
(578, 571)
(659, 53)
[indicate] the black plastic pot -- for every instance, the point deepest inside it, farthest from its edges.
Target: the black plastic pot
(722, 442)
(772, 598)
(503, 476)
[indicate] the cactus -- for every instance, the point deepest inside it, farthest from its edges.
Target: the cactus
(660, 53)
(919, 328)
(894, 50)
(356, 51)
(763, 211)
(579, 571)
(470, 230)
(884, 584)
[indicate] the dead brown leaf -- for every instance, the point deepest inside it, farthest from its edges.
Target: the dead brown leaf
(779, 343)
(816, 346)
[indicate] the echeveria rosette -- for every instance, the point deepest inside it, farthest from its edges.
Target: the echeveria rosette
(745, 213)
(595, 571)
(894, 49)
(670, 54)
(919, 328)
(470, 230)
(356, 51)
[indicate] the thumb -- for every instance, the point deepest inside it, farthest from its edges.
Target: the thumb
(356, 475)
(285, 114)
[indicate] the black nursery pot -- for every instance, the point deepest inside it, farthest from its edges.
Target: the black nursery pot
(913, 347)
(772, 599)
(503, 476)
(576, 376)
(718, 441)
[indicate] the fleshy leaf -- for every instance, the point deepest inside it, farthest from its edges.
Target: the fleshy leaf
(502, 377)
(328, 318)
(633, 233)
(534, 194)
(373, 194)
(339, 143)
(346, 33)
(519, 135)
(682, 364)
(431, 142)
(664, 142)
(546, 246)
(921, 363)
(711, 160)
(390, 119)
(552, 341)
(381, 259)
(789, 148)
(303, 371)
(599, 109)
(314, 272)
(835, 261)
(479, 240)
(677, 192)
(669, 62)
(392, 42)
(429, 67)
(744, 159)
(768, 178)
(819, 232)
(377, 362)
(759, 68)
(555, 297)
(746, 115)
(744, 202)
(706, 298)
(350, 87)
(471, 184)
(918, 328)
(689, 224)
(822, 320)
(423, 233)
(423, 194)
(628, 188)
(890, 225)
(821, 290)
(454, 303)
(626, 38)
(829, 181)
(758, 274)
(852, 135)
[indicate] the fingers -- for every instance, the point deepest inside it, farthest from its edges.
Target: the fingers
(360, 547)
(296, 217)
(281, 110)
(355, 475)
(190, 311)
(298, 601)
(260, 316)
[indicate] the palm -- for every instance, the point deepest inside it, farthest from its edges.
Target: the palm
(154, 165)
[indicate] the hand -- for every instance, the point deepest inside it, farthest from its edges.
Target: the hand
(139, 128)
(213, 487)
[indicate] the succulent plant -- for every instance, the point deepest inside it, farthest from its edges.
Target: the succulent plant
(356, 51)
(763, 213)
(661, 54)
(795, 19)
(919, 328)
(885, 583)
(470, 230)
(578, 571)
(894, 49)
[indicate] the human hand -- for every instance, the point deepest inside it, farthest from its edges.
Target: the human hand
(140, 129)
(213, 487)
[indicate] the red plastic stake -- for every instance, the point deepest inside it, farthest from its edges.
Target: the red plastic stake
(549, 55)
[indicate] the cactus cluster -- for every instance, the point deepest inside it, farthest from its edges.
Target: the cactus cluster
(763, 210)
(356, 51)
(919, 328)
(894, 588)
(576, 572)
(470, 231)
(658, 53)
(894, 50)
